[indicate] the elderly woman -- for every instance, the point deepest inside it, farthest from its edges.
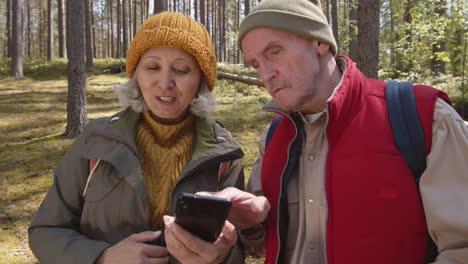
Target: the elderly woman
(123, 173)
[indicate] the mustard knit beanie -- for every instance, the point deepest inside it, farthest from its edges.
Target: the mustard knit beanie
(174, 30)
(302, 17)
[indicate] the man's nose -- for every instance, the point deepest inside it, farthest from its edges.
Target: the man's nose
(266, 73)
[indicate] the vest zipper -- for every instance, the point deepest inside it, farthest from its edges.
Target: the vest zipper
(324, 187)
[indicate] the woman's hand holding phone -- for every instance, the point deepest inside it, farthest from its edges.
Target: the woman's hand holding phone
(188, 248)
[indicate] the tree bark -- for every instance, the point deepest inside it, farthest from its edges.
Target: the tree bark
(368, 37)
(134, 18)
(61, 28)
(9, 29)
(93, 28)
(158, 6)
(203, 12)
(246, 7)
(353, 40)
(88, 36)
(50, 32)
(17, 40)
(124, 28)
(76, 101)
(119, 33)
(334, 18)
(28, 27)
(240, 78)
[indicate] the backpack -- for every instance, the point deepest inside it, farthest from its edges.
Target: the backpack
(407, 131)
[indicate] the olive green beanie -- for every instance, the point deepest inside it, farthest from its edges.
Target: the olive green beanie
(301, 17)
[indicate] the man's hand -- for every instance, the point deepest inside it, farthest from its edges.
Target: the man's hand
(247, 209)
(188, 248)
(134, 250)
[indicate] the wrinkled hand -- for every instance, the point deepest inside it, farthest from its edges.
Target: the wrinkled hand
(190, 249)
(247, 209)
(134, 250)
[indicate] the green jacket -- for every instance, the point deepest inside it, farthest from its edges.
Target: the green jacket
(71, 228)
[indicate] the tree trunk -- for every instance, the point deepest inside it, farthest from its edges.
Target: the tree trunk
(158, 6)
(203, 13)
(368, 37)
(76, 101)
(93, 28)
(334, 18)
(88, 35)
(195, 9)
(61, 28)
(42, 29)
(246, 7)
(9, 29)
(129, 20)
(50, 32)
(124, 28)
(17, 40)
(119, 33)
(111, 8)
(109, 29)
(237, 49)
(28, 30)
(353, 40)
(134, 18)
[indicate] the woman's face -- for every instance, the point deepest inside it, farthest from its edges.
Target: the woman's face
(169, 79)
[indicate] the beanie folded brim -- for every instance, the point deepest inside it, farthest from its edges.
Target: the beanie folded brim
(302, 26)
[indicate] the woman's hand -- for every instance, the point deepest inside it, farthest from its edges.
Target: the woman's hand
(188, 248)
(134, 250)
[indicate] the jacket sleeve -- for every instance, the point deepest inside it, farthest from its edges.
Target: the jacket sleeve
(54, 235)
(444, 186)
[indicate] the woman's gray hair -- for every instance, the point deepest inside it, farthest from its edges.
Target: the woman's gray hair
(129, 94)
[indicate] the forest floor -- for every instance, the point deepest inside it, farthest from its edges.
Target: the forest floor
(32, 122)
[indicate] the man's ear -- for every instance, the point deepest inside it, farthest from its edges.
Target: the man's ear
(322, 48)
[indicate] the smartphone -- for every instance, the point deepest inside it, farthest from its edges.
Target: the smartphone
(203, 216)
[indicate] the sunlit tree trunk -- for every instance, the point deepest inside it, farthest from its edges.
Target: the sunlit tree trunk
(61, 27)
(368, 37)
(88, 35)
(17, 40)
(50, 32)
(76, 100)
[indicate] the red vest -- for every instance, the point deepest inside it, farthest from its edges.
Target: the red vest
(375, 213)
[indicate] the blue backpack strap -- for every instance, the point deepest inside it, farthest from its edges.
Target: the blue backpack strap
(407, 129)
(274, 124)
(409, 136)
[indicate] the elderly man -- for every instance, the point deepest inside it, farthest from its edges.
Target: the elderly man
(331, 186)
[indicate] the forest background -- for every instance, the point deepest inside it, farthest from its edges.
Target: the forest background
(56, 55)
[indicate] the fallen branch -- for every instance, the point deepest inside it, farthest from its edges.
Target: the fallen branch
(240, 78)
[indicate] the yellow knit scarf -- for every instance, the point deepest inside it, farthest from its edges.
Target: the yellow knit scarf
(164, 152)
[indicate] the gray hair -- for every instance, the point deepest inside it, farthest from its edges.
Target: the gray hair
(129, 95)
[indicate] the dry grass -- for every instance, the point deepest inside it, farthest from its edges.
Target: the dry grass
(32, 122)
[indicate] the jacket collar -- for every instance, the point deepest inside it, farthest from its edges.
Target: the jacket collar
(211, 140)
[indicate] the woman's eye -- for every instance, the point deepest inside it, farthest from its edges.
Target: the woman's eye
(181, 71)
(152, 68)
(275, 51)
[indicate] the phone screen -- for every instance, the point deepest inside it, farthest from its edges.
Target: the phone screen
(203, 216)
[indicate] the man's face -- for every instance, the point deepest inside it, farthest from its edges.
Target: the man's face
(288, 65)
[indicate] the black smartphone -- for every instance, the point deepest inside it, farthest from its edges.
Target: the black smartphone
(203, 216)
